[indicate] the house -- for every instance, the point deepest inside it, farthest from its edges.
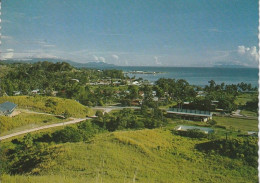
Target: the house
(136, 102)
(54, 93)
(76, 80)
(35, 91)
(155, 99)
(141, 93)
(17, 93)
(135, 83)
(190, 114)
(7, 108)
(201, 94)
(253, 134)
(202, 129)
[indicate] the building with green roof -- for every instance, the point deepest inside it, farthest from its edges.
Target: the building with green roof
(7, 108)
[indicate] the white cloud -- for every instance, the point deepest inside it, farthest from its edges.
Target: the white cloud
(115, 57)
(251, 53)
(102, 59)
(48, 45)
(8, 54)
(95, 57)
(157, 62)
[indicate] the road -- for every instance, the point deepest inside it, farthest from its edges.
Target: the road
(105, 109)
(43, 127)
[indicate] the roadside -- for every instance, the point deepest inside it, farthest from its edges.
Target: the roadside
(43, 127)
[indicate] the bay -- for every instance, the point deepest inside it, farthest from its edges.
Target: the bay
(197, 75)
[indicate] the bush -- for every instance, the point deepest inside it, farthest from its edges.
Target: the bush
(194, 133)
(68, 134)
(212, 122)
(242, 148)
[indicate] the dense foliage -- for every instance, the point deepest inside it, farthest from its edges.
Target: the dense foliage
(242, 148)
(47, 77)
(129, 119)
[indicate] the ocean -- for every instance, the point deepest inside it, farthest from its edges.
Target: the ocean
(198, 75)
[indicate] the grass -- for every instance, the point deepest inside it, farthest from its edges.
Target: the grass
(237, 123)
(53, 105)
(25, 121)
(149, 155)
(243, 98)
(249, 113)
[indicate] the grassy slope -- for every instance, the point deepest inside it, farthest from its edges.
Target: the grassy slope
(249, 113)
(243, 98)
(38, 103)
(25, 121)
(155, 156)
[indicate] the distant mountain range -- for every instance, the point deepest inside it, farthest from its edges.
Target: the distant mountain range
(101, 65)
(98, 65)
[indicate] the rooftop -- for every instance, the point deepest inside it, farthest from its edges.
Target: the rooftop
(189, 112)
(7, 106)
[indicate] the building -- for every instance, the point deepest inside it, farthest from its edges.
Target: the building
(202, 129)
(35, 91)
(190, 114)
(7, 108)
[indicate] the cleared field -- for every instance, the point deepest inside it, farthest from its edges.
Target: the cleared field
(237, 124)
(248, 113)
(242, 99)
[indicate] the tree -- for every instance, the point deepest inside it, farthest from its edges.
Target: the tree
(68, 134)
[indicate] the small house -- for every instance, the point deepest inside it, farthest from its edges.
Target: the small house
(35, 91)
(7, 108)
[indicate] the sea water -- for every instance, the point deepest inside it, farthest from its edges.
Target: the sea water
(198, 75)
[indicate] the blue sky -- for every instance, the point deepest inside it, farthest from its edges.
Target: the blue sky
(132, 32)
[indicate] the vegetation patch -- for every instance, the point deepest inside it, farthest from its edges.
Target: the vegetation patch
(154, 155)
(242, 148)
(237, 123)
(9, 124)
(53, 105)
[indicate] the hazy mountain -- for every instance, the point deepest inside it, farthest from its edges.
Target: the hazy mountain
(54, 60)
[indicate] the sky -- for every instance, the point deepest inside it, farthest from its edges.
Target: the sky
(195, 33)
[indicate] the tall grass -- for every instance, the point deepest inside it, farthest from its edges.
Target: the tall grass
(144, 156)
(53, 105)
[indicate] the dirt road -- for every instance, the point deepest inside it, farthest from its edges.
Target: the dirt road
(43, 127)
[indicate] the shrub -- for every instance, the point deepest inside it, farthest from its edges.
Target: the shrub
(242, 148)
(68, 134)
(193, 133)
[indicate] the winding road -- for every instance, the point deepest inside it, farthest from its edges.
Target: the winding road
(104, 109)
(43, 127)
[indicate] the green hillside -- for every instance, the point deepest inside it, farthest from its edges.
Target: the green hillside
(53, 105)
(144, 155)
